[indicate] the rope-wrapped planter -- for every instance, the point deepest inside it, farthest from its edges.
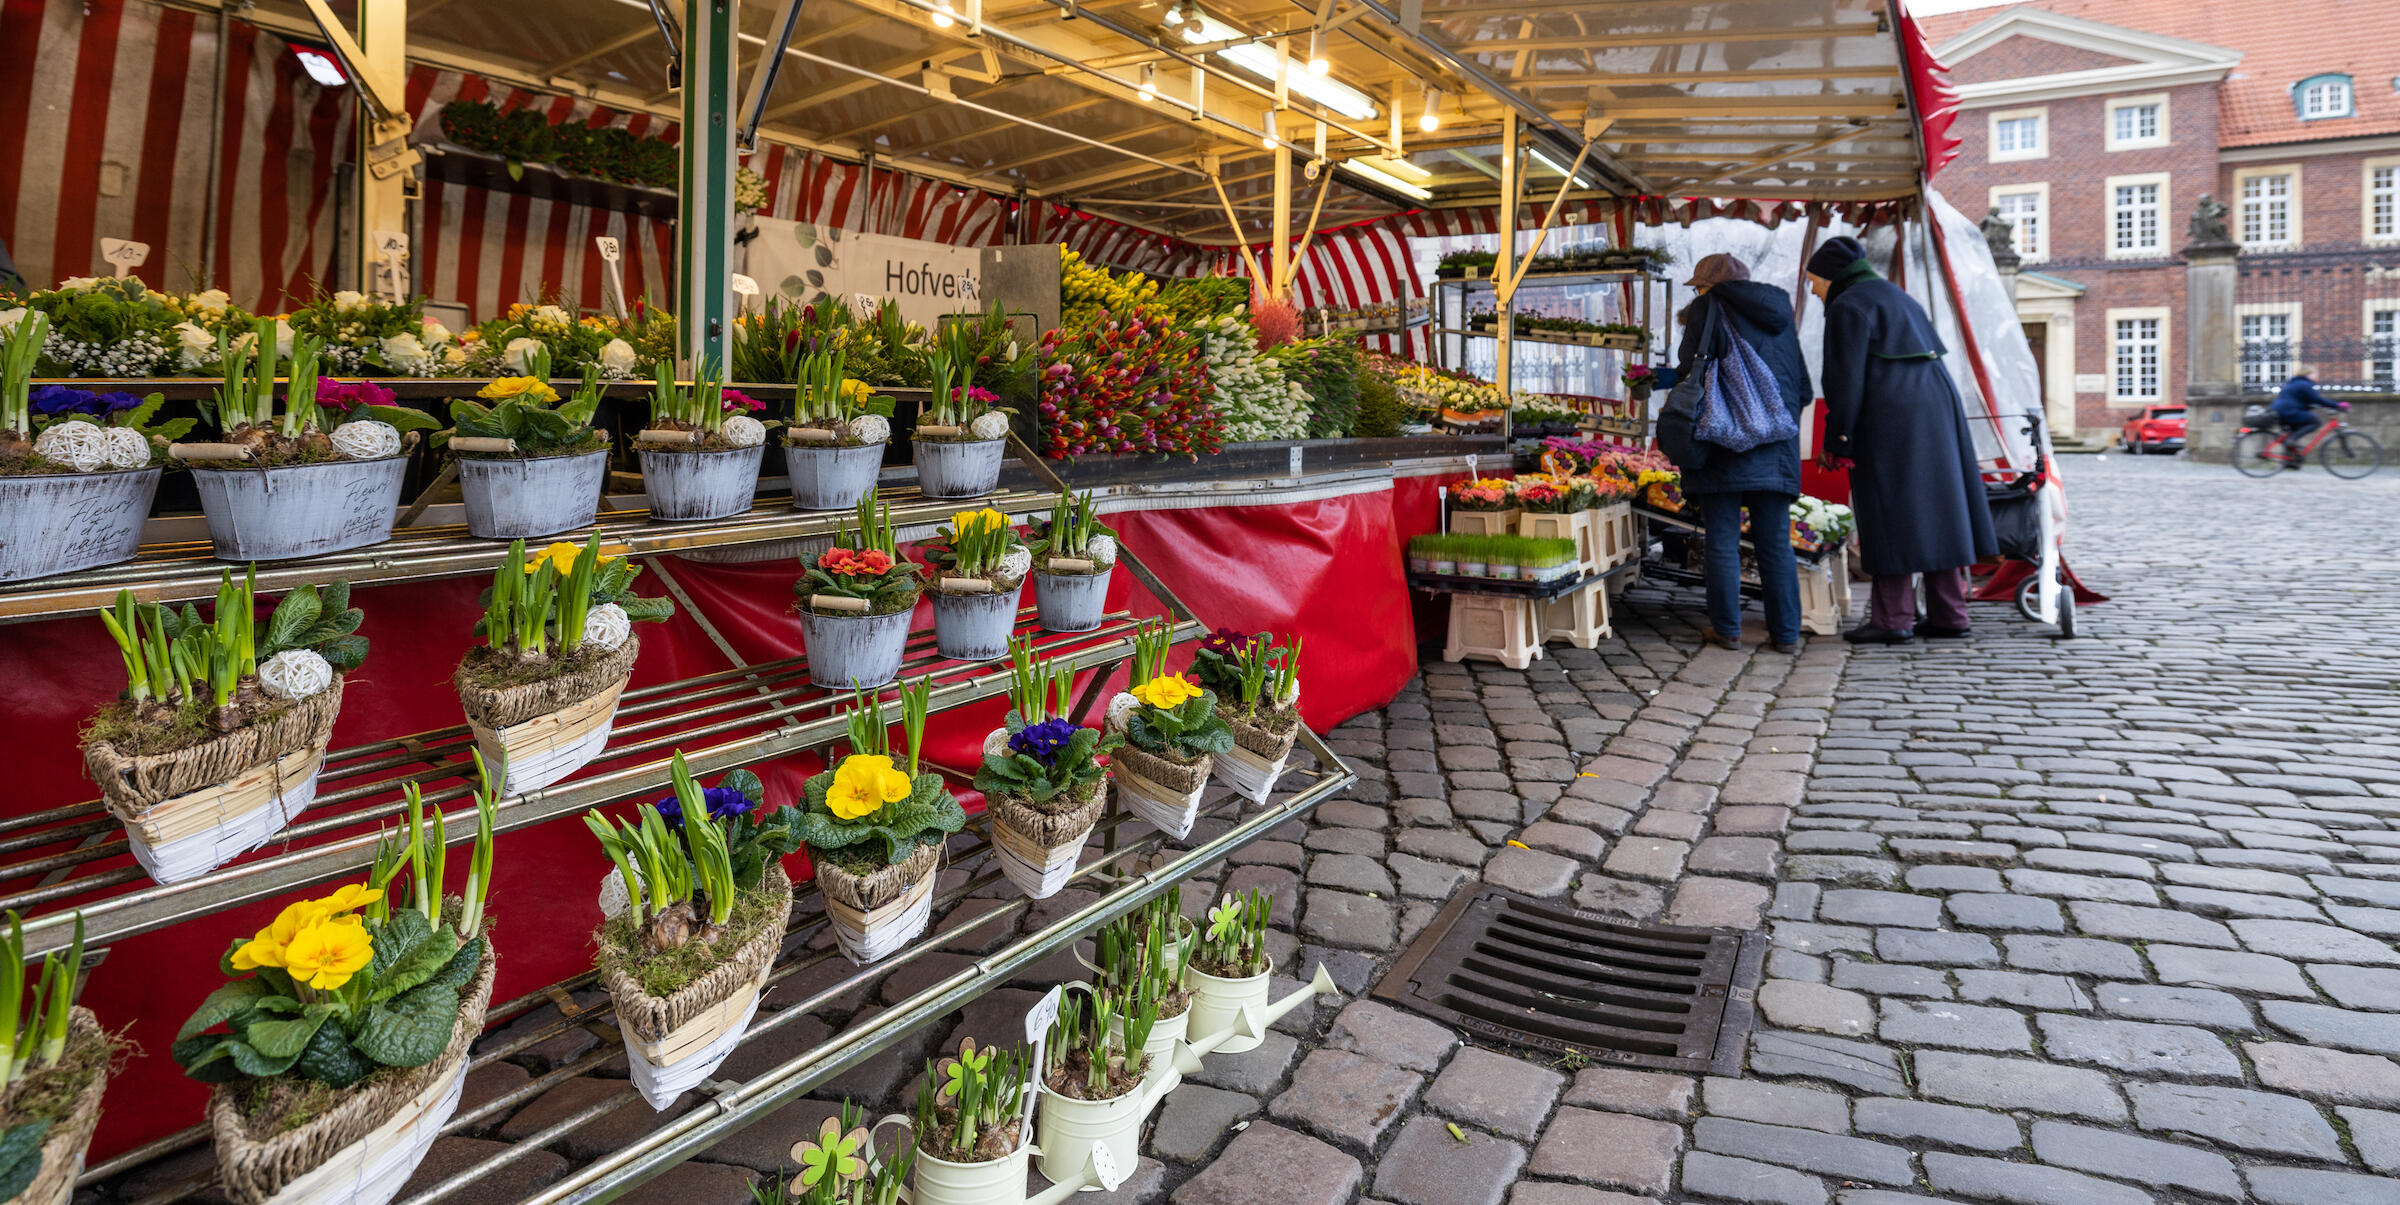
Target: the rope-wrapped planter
(64, 1146)
(1259, 752)
(190, 811)
(673, 1042)
(1039, 849)
(1161, 790)
(874, 914)
(363, 1150)
(548, 729)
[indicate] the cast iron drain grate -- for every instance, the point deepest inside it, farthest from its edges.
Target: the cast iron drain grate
(1526, 973)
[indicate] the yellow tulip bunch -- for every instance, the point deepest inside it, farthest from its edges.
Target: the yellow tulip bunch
(320, 943)
(865, 782)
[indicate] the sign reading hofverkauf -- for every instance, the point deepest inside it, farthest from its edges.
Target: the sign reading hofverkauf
(806, 262)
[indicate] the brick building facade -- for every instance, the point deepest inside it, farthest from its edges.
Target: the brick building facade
(2096, 127)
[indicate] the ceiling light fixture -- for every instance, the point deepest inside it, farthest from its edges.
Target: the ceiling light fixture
(1385, 180)
(1149, 81)
(944, 16)
(1264, 62)
(1429, 118)
(1317, 64)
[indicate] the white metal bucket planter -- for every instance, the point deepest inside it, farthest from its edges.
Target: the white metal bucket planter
(830, 478)
(1236, 1013)
(687, 487)
(968, 469)
(854, 650)
(975, 626)
(277, 514)
(523, 497)
(1001, 1181)
(1070, 1131)
(61, 522)
(1071, 602)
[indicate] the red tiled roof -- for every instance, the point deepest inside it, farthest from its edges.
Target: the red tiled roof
(2282, 42)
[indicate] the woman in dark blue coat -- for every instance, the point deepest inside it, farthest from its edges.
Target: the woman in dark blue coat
(1763, 480)
(1892, 410)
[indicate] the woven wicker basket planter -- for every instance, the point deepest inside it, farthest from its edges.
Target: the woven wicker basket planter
(1039, 850)
(1162, 791)
(874, 915)
(673, 1042)
(361, 1151)
(64, 1146)
(544, 731)
(188, 812)
(1257, 759)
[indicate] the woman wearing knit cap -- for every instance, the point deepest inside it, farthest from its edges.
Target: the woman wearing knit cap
(1892, 410)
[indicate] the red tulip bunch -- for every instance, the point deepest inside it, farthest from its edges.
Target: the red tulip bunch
(1126, 383)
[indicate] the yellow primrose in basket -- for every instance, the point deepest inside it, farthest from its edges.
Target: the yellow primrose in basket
(326, 954)
(350, 898)
(519, 389)
(865, 782)
(266, 949)
(1167, 691)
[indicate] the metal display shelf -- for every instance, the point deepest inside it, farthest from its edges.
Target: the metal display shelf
(1597, 341)
(1501, 587)
(1596, 276)
(187, 571)
(421, 389)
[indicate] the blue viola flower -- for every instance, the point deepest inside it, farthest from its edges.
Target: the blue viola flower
(55, 400)
(1042, 741)
(117, 403)
(724, 803)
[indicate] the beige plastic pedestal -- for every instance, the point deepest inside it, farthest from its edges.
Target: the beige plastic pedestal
(1579, 526)
(1483, 522)
(1505, 630)
(1580, 618)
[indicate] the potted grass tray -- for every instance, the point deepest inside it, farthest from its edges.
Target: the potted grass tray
(1041, 777)
(833, 449)
(1172, 734)
(701, 452)
(1258, 683)
(529, 466)
(339, 1055)
(1073, 557)
(218, 738)
(874, 830)
(541, 692)
(55, 1062)
(695, 913)
(856, 602)
(322, 475)
(962, 434)
(78, 470)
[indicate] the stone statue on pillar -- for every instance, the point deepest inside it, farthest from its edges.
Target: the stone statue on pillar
(2001, 235)
(2211, 272)
(2208, 230)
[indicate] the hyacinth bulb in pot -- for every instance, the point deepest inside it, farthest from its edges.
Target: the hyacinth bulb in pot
(1073, 555)
(874, 826)
(1257, 683)
(340, 1053)
(528, 464)
(970, 1133)
(1229, 968)
(217, 740)
(308, 478)
(1172, 735)
(1149, 952)
(962, 433)
(838, 1166)
(701, 452)
(55, 1061)
(833, 448)
(1095, 1083)
(694, 915)
(541, 692)
(855, 602)
(980, 567)
(1041, 777)
(78, 470)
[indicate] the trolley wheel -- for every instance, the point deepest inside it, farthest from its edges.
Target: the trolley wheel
(2029, 594)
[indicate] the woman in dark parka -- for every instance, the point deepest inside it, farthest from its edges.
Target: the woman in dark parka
(1892, 409)
(1764, 479)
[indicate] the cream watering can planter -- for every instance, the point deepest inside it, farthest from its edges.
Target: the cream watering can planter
(1219, 1006)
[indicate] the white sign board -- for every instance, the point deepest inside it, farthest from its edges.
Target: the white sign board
(806, 262)
(2091, 382)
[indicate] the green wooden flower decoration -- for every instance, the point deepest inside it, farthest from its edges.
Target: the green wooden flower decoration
(834, 1154)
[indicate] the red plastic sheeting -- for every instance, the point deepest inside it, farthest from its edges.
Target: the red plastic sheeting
(1328, 570)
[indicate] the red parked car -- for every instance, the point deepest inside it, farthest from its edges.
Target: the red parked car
(2155, 429)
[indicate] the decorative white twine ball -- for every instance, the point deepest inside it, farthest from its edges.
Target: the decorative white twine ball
(606, 626)
(74, 443)
(127, 448)
(992, 425)
(366, 439)
(1121, 709)
(614, 899)
(995, 743)
(1016, 563)
(743, 431)
(1291, 694)
(871, 429)
(1102, 549)
(294, 674)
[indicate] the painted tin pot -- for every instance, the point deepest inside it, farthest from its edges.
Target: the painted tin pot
(61, 522)
(1071, 602)
(522, 497)
(1067, 1130)
(830, 478)
(686, 487)
(854, 650)
(959, 470)
(277, 514)
(975, 627)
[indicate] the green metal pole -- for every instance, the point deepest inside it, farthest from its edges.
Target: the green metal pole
(704, 236)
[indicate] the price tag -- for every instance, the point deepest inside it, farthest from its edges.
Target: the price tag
(609, 248)
(1472, 471)
(391, 243)
(126, 254)
(1105, 1166)
(744, 285)
(1039, 1018)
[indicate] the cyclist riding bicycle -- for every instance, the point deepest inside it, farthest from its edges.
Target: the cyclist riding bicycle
(2296, 408)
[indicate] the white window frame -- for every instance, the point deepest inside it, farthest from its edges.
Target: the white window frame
(2166, 347)
(2301, 91)
(2041, 134)
(2040, 251)
(2291, 206)
(2366, 337)
(2108, 126)
(2290, 312)
(2166, 207)
(2366, 201)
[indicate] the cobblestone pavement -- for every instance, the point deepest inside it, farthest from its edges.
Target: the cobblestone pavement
(2052, 923)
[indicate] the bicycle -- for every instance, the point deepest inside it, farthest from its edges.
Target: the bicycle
(2345, 451)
